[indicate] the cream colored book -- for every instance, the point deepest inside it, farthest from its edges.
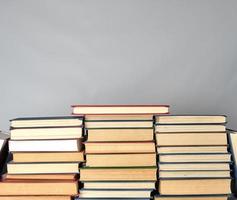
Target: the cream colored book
(191, 119)
(195, 186)
(46, 133)
(209, 197)
(119, 185)
(119, 124)
(193, 166)
(120, 135)
(34, 122)
(119, 109)
(195, 158)
(191, 139)
(192, 149)
(30, 197)
(189, 128)
(119, 147)
(194, 174)
(120, 160)
(118, 117)
(42, 168)
(118, 174)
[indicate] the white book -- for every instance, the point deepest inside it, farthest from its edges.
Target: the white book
(44, 145)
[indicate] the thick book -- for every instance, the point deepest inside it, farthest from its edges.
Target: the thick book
(190, 128)
(195, 174)
(195, 158)
(120, 185)
(195, 186)
(192, 149)
(191, 119)
(38, 157)
(84, 193)
(46, 122)
(42, 168)
(119, 124)
(120, 160)
(19, 188)
(118, 174)
(119, 147)
(46, 133)
(119, 109)
(197, 197)
(45, 145)
(120, 135)
(191, 139)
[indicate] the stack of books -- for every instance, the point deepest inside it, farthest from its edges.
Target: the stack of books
(193, 157)
(120, 151)
(46, 153)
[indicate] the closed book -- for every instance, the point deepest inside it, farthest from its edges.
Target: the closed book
(117, 117)
(120, 135)
(119, 147)
(194, 186)
(115, 193)
(46, 133)
(41, 177)
(191, 139)
(119, 124)
(45, 145)
(38, 157)
(30, 197)
(118, 174)
(19, 188)
(190, 119)
(119, 109)
(120, 160)
(197, 197)
(28, 122)
(42, 168)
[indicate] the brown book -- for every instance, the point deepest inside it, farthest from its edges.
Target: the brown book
(118, 174)
(212, 197)
(12, 188)
(119, 135)
(194, 186)
(119, 147)
(191, 119)
(191, 139)
(190, 128)
(48, 157)
(119, 124)
(119, 109)
(195, 158)
(40, 176)
(120, 160)
(35, 197)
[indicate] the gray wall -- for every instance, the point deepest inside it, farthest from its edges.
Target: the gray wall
(57, 53)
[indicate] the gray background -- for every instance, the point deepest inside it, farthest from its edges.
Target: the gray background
(57, 53)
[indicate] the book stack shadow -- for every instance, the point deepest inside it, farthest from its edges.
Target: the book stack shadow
(46, 153)
(193, 157)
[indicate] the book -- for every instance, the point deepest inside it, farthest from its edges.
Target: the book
(120, 160)
(191, 139)
(40, 176)
(30, 197)
(46, 133)
(195, 158)
(45, 145)
(42, 168)
(194, 186)
(117, 117)
(119, 147)
(119, 109)
(195, 174)
(120, 135)
(191, 149)
(198, 197)
(119, 124)
(190, 128)
(120, 185)
(18, 188)
(84, 193)
(3, 150)
(65, 121)
(37, 157)
(191, 119)
(118, 174)
(193, 166)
